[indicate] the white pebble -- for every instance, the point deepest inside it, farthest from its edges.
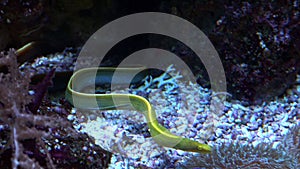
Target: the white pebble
(258, 109)
(275, 144)
(260, 132)
(298, 88)
(231, 119)
(181, 129)
(219, 132)
(237, 120)
(285, 117)
(154, 153)
(84, 148)
(229, 113)
(70, 117)
(178, 122)
(284, 131)
(246, 133)
(238, 106)
(252, 119)
(256, 142)
(285, 124)
(140, 140)
(272, 138)
(31, 92)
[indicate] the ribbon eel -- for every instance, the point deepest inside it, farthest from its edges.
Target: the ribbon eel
(87, 77)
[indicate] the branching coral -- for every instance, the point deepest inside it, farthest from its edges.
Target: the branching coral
(14, 113)
(36, 134)
(164, 80)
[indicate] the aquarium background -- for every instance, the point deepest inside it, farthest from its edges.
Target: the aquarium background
(257, 42)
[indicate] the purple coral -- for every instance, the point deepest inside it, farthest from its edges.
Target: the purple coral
(38, 139)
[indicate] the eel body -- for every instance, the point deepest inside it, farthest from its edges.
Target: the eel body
(86, 77)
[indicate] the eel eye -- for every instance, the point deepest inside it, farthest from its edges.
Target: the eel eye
(204, 148)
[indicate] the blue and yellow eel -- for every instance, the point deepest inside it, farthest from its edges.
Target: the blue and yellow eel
(85, 77)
